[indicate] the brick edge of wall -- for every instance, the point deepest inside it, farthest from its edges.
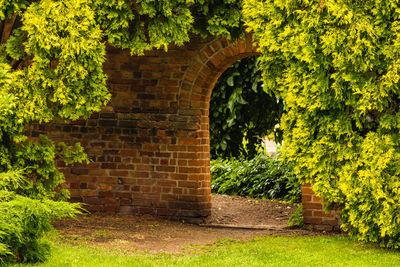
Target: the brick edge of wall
(315, 218)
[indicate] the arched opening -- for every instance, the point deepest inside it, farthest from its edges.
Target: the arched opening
(242, 114)
(210, 62)
(246, 180)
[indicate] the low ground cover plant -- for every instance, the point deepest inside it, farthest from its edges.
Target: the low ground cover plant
(263, 176)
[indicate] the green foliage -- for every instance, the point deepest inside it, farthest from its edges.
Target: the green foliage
(138, 25)
(65, 79)
(50, 69)
(146, 24)
(261, 177)
(34, 157)
(218, 18)
(143, 25)
(23, 220)
(336, 65)
(240, 109)
(296, 219)
(10, 7)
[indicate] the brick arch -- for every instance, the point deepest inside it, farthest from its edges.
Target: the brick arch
(208, 65)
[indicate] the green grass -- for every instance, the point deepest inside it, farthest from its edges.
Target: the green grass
(266, 251)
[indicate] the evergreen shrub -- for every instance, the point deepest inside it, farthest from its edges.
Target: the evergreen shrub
(24, 220)
(336, 66)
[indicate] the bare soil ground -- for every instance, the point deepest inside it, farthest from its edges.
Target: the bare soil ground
(152, 234)
(240, 211)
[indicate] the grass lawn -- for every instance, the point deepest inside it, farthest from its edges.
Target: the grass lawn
(266, 251)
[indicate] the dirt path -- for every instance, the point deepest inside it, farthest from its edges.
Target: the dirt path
(152, 234)
(240, 211)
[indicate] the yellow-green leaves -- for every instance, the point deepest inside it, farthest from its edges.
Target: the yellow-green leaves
(10, 7)
(50, 69)
(336, 65)
(147, 24)
(64, 34)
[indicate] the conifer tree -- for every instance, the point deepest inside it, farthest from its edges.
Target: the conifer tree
(336, 65)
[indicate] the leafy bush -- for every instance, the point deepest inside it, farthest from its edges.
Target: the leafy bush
(261, 177)
(30, 183)
(23, 220)
(336, 66)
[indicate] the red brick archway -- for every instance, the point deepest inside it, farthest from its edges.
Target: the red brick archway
(150, 145)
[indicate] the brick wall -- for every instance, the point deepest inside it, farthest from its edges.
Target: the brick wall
(313, 212)
(150, 146)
